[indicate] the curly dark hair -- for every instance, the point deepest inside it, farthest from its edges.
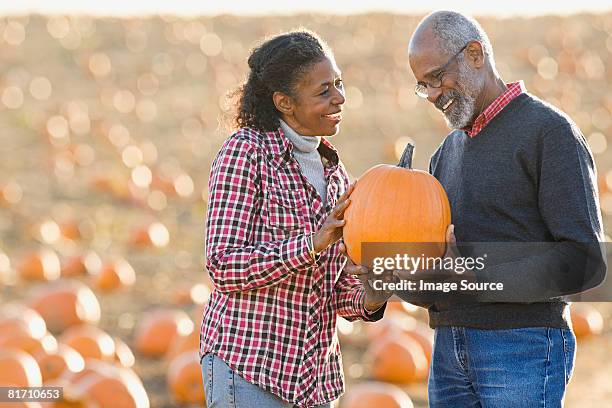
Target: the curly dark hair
(277, 64)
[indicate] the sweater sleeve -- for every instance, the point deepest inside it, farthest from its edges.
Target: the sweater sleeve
(568, 204)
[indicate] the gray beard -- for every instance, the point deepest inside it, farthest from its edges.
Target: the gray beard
(464, 107)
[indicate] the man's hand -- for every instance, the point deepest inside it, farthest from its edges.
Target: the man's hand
(451, 243)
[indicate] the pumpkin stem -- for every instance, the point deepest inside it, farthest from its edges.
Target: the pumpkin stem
(406, 160)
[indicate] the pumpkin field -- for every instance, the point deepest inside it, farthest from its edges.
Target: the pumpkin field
(108, 128)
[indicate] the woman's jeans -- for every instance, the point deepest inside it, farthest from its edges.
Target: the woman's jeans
(226, 389)
(515, 368)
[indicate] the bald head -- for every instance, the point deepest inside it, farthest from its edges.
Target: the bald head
(446, 32)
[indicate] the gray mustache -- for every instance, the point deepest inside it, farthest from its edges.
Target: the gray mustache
(442, 100)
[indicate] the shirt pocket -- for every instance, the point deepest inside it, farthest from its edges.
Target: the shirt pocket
(284, 210)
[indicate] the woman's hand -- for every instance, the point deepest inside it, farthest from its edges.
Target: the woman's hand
(331, 230)
(374, 299)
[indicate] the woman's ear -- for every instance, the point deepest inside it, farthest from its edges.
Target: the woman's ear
(283, 102)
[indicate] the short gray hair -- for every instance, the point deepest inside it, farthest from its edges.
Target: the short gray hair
(454, 30)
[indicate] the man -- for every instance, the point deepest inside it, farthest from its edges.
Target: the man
(515, 170)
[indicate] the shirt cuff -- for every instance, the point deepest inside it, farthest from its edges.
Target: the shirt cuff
(365, 314)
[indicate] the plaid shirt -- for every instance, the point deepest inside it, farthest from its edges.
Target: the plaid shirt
(514, 90)
(272, 314)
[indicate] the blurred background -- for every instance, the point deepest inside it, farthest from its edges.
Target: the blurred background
(110, 117)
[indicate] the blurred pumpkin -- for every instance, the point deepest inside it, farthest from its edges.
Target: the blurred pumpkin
(396, 204)
(114, 275)
(90, 342)
(123, 353)
(157, 329)
(27, 343)
(586, 320)
(83, 264)
(401, 306)
(68, 399)
(397, 358)
(17, 318)
(43, 265)
(184, 379)
(65, 303)
(181, 344)
(54, 362)
(22, 404)
(406, 325)
(376, 395)
(154, 234)
(191, 294)
(70, 230)
(106, 385)
(73, 266)
(18, 368)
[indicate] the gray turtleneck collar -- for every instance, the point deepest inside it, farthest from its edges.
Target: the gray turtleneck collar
(306, 153)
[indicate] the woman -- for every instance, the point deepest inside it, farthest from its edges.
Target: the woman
(277, 194)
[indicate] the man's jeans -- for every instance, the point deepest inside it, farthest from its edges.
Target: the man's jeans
(226, 389)
(515, 368)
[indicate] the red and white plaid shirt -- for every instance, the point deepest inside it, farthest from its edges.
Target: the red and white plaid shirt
(514, 90)
(272, 314)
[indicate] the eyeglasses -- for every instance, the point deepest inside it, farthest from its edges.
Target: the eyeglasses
(421, 88)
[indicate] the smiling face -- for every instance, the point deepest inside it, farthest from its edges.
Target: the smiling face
(316, 106)
(462, 84)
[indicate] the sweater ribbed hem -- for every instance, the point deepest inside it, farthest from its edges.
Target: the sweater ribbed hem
(498, 316)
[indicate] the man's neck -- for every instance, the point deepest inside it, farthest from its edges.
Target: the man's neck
(494, 87)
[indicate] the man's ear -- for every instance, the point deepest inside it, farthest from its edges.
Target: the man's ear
(283, 102)
(475, 54)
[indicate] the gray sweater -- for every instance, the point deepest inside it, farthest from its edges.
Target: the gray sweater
(528, 177)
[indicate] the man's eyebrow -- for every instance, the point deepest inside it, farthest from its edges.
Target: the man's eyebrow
(433, 72)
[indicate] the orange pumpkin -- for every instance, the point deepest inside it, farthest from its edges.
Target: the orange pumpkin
(83, 264)
(66, 303)
(90, 342)
(396, 204)
(18, 368)
(117, 392)
(41, 265)
(54, 362)
(586, 320)
(68, 399)
(158, 328)
(16, 318)
(73, 266)
(401, 306)
(406, 325)
(376, 394)
(70, 230)
(397, 358)
(123, 353)
(27, 343)
(115, 275)
(185, 379)
(154, 234)
(181, 344)
(191, 294)
(22, 404)
(106, 385)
